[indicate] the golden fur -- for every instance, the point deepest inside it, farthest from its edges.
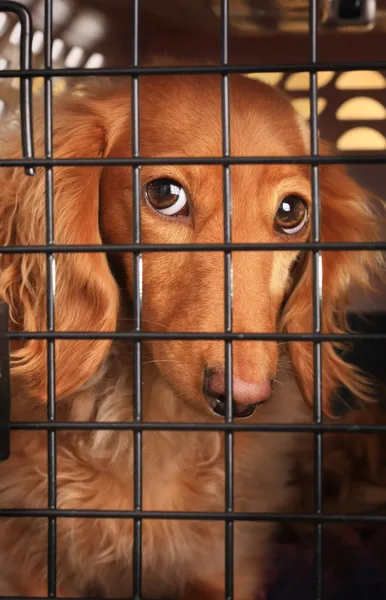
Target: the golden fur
(181, 292)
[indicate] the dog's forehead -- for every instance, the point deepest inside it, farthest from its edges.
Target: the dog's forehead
(185, 117)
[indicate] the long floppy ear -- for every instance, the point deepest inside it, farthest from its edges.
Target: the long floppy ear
(347, 215)
(86, 297)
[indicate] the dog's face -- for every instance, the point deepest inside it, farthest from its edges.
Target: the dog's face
(184, 204)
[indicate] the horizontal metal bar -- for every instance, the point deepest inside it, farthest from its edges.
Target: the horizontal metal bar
(224, 247)
(198, 69)
(190, 515)
(235, 426)
(192, 336)
(353, 159)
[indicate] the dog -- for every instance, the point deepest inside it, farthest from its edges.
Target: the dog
(182, 380)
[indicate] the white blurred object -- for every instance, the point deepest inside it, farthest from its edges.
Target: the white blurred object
(14, 38)
(95, 61)
(74, 58)
(88, 26)
(37, 42)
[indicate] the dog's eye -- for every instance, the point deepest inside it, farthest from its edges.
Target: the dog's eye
(292, 215)
(167, 197)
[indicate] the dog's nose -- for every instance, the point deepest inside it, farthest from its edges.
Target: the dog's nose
(246, 396)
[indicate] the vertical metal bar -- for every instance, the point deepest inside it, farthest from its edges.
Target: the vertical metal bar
(228, 289)
(137, 310)
(317, 305)
(50, 288)
(5, 392)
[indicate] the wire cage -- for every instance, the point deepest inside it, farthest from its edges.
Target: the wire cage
(44, 50)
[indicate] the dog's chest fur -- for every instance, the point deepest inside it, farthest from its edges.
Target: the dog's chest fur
(182, 471)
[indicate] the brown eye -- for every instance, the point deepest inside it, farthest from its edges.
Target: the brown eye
(167, 197)
(292, 215)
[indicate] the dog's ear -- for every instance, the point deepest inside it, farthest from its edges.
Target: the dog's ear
(347, 215)
(86, 294)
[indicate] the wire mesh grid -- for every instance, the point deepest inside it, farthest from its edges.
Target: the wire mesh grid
(227, 160)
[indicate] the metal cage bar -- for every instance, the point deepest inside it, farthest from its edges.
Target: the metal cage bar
(169, 335)
(201, 69)
(317, 275)
(137, 302)
(171, 426)
(228, 285)
(50, 301)
(234, 247)
(191, 515)
(376, 159)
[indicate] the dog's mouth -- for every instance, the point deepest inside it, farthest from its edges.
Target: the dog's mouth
(240, 411)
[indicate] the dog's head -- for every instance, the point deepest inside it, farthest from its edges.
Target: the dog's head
(184, 204)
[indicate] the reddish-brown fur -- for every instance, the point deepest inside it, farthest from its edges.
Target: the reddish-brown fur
(180, 116)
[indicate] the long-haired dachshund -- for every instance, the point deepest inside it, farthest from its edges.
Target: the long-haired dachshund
(183, 381)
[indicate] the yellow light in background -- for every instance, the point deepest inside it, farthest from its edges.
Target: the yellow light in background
(361, 80)
(298, 82)
(358, 108)
(324, 78)
(60, 86)
(361, 108)
(362, 138)
(303, 106)
(269, 78)
(37, 85)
